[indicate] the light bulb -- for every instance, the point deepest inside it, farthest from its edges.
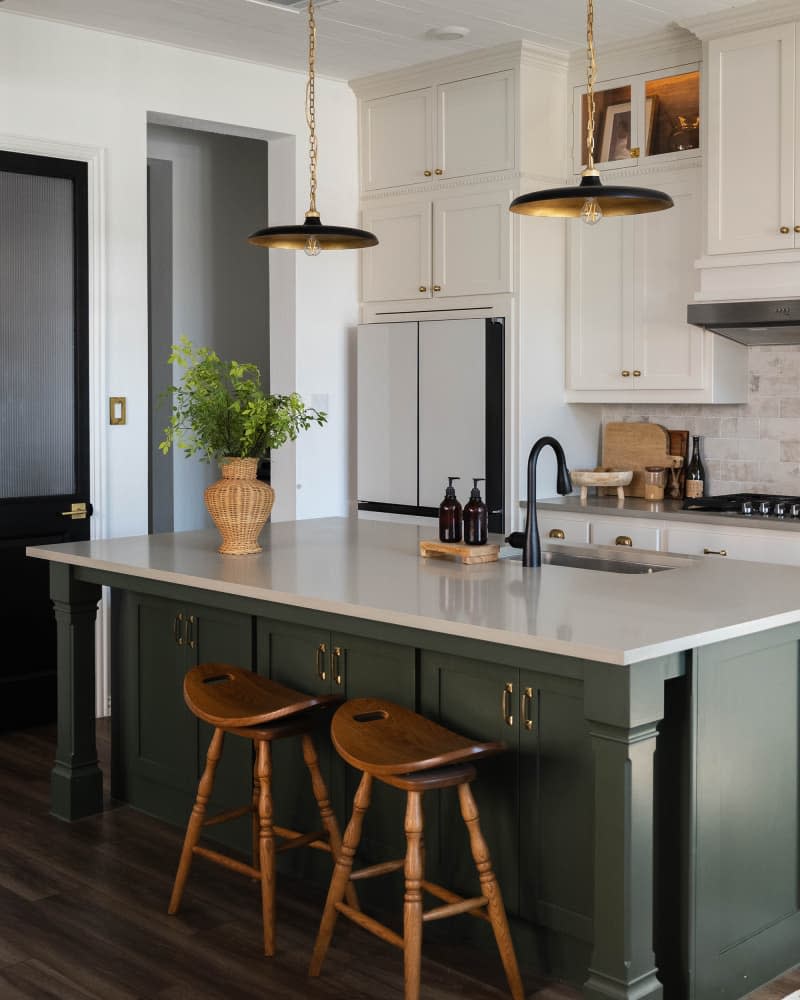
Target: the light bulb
(312, 247)
(591, 213)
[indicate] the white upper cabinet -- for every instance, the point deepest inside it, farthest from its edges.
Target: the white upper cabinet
(630, 280)
(454, 129)
(753, 141)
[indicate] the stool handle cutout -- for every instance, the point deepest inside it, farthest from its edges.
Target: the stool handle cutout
(322, 649)
(370, 716)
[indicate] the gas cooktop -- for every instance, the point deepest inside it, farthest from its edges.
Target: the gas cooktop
(748, 504)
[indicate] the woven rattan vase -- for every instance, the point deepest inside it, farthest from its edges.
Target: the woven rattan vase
(239, 505)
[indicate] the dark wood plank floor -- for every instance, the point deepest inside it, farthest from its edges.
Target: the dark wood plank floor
(83, 915)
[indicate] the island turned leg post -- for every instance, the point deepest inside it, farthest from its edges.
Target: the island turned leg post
(76, 785)
(623, 706)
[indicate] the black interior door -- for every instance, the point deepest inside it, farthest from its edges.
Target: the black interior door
(44, 416)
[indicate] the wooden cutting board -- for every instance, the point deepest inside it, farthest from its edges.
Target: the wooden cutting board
(634, 446)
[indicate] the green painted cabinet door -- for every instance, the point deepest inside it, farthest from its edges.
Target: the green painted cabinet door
(473, 698)
(556, 792)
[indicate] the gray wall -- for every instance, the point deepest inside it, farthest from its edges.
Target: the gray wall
(753, 446)
(220, 286)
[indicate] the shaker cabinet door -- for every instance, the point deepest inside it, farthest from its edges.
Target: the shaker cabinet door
(476, 125)
(472, 244)
(397, 139)
(399, 267)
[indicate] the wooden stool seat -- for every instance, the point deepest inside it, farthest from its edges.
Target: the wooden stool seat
(239, 703)
(383, 738)
(405, 750)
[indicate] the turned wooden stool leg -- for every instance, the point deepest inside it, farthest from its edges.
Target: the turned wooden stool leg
(341, 873)
(491, 890)
(412, 905)
(326, 813)
(195, 824)
(254, 818)
(266, 844)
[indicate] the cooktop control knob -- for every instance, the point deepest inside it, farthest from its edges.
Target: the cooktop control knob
(794, 509)
(764, 507)
(746, 507)
(781, 508)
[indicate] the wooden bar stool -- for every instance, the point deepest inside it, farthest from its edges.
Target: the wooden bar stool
(403, 749)
(243, 704)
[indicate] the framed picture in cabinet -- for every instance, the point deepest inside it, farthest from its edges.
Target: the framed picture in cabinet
(616, 142)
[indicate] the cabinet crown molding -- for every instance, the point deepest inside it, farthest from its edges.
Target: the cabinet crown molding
(450, 68)
(671, 46)
(763, 14)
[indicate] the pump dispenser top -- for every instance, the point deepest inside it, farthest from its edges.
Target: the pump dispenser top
(450, 514)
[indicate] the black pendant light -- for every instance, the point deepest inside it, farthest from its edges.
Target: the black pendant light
(312, 236)
(591, 200)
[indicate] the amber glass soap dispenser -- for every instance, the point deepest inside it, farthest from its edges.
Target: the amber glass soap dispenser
(476, 518)
(450, 514)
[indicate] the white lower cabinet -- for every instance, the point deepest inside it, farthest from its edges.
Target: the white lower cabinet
(745, 543)
(637, 532)
(553, 525)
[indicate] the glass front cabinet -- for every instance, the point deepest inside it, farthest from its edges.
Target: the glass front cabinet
(652, 117)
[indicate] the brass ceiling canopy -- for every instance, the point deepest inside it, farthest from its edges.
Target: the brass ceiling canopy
(312, 236)
(591, 200)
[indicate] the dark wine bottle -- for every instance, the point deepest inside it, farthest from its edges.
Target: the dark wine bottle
(695, 473)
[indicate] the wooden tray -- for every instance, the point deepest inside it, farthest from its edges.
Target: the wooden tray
(634, 446)
(467, 554)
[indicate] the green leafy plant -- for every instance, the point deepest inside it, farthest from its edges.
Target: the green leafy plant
(220, 410)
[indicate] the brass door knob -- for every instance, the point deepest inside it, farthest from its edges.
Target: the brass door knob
(625, 373)
(556, 533)
(437, 288)
(636, 373)
(797, 229)
(423, 288)
(623, 540)
(427, 173)
(784, 230)
(438, 171)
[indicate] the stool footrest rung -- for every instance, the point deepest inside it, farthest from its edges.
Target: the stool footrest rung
(227, 862)
(300, 840)
(319, 841)
(451, 897)
(223, 817)
(384, 868)
(453, 909)
(373, 926)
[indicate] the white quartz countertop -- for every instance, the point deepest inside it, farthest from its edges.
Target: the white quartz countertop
(371, 570)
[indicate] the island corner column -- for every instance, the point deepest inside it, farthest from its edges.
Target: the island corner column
(623, 705)
(76, 783)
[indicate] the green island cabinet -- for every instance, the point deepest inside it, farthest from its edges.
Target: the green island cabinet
(644, 820)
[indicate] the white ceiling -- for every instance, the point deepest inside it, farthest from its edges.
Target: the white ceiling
(360, 37)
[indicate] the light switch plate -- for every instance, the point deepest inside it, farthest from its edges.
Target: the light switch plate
(116, 410)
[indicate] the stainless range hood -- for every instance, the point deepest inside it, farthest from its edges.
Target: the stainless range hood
(758, 322)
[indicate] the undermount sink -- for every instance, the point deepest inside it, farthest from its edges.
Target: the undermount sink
(608, 558)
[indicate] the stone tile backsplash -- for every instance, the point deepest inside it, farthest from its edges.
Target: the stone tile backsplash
(753, 446)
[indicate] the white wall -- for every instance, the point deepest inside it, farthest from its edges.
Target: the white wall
(72, 86)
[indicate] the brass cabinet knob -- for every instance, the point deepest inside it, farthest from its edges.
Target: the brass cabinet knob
(625, 373)
(623, 540)
(427, 173)
(423, 288)
(438, 171)
(784, 230)
(636, 373)
(715, 552)
(797, 229)
(556, 533)
(635, 152)
(437, 288)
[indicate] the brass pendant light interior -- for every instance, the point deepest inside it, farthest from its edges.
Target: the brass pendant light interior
(312, 236)
(591, 200)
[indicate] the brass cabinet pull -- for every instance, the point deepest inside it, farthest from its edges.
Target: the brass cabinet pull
(438, 171)
(336, 664)
(625, 373)
(426, 173)
(437, 288)
(715, 552)
(797, 229)
(636, 373)
(556, 533)
(191, 642)
(423, 288)
(322, 649)
(525, 708)
(784, 230)
(505, 704)
(177, 629)
(623, 540)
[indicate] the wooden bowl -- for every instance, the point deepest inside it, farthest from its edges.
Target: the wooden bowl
(601, 477)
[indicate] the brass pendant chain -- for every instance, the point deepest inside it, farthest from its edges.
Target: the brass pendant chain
(591, 74)
(311, 112)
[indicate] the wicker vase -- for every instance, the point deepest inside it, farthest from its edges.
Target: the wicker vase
(239, 505)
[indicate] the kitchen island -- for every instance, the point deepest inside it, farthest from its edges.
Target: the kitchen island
(644, 822)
